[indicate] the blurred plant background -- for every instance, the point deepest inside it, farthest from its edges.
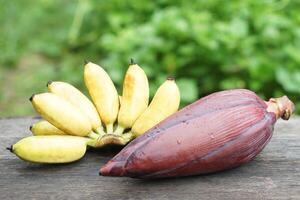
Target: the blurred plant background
(207, 45)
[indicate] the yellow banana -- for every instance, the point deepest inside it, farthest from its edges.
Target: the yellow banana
(62, 114)
(78, 99)
(103, 93)
(135, 97)
(45, 128)
(50, 149)
(164, 103)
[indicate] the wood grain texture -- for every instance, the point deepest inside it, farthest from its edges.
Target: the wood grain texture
(274, 174)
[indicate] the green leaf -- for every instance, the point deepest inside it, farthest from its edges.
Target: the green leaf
(188, 90)
(290, 81)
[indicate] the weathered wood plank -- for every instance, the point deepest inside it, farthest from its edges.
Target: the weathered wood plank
(274, 174)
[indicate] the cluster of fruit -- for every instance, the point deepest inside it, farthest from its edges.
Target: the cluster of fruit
(72, 122)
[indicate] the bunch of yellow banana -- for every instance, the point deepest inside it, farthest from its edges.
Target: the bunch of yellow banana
(71, 121)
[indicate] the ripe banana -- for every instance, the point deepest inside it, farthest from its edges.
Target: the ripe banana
(164, 103)
(135, 97)
(79, 100)
(103, 93)
(45, 128)
(50, 149)
(62, 114)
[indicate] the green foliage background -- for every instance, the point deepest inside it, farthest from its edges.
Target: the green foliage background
(207, 45)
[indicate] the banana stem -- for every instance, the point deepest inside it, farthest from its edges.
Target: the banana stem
(110, 128)
(128, 136)
(119, 130)
(100, 131)
(91, 143)
(110, 139)
(10, 148)
(93, 135)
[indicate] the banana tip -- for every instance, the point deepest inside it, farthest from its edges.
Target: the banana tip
(10, 148)
(31, 98)
(132, 61)
(49, 83)
(85, 61)
(30, 128)
(171, 78)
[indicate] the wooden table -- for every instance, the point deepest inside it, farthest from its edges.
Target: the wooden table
(274, 174)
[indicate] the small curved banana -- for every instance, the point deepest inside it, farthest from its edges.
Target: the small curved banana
(164, 103)
(103, 93)
(135, 97)
(45, 128)
(50, 149)
(78, 99)
(62, 114)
